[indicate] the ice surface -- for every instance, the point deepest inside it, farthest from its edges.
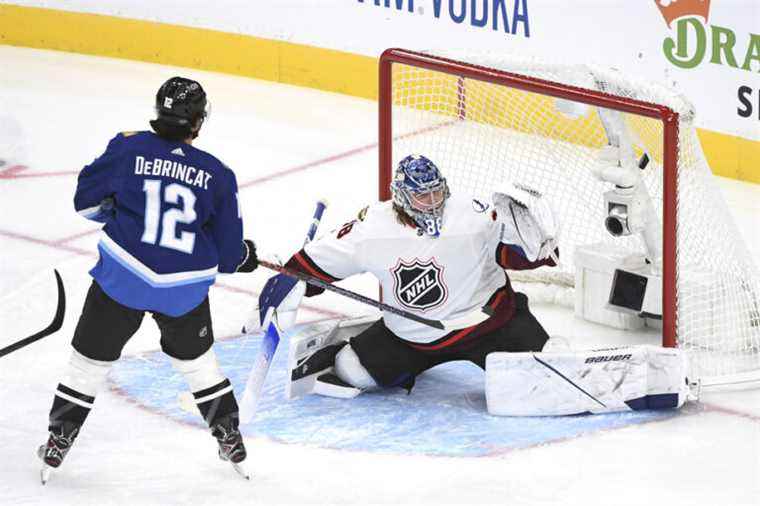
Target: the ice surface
(444, 415)
(290, 146)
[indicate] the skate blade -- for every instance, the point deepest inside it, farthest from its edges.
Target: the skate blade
(46, 469)
(241, 470)
(45, 473)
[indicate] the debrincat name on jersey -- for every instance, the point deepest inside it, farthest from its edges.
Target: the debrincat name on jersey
(173, 169)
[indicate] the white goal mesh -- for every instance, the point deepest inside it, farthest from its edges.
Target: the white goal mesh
(480, 131)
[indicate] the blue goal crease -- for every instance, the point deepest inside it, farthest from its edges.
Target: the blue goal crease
(445, 414)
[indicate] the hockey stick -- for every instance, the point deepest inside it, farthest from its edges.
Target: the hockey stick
(50, 329)
(269, 342)
(469, 320)
(260, 368)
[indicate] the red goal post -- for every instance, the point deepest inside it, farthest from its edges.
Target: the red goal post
(463, 70)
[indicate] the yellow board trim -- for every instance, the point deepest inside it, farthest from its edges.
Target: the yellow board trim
(731, 156)
(183, 46)
(271, 60)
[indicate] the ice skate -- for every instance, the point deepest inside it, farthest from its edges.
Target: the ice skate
(231, 446)
(58, 445)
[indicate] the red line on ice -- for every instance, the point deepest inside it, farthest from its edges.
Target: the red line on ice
(61, 242)
(16, 175)
(710, 407)
(12, 171)
(88, 253)
(43, 242)
(70, 238)
(315, 163)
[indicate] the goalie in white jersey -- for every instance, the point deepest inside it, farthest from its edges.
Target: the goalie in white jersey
(444, 257)
(438, 255)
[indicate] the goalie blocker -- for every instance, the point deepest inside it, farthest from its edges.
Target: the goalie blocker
(601, 381)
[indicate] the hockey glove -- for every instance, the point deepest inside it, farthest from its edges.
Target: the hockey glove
(284, 294)
(529, 220)
(249, 260)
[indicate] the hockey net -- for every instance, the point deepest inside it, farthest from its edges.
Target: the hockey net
(484, 119)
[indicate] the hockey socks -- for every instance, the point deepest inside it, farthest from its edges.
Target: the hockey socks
(69, 405)
(74, 398)
(216, 402)
(219, 408)
(69, 411)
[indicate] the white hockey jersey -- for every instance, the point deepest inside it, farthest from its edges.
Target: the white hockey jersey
(439, 278)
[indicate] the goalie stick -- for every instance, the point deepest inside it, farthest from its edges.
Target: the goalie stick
(468, 320)
(269, 342)
(50, 329)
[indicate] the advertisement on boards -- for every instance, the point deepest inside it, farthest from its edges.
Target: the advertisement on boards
(709, 50)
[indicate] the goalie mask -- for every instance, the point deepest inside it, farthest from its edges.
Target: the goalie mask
(421, 191)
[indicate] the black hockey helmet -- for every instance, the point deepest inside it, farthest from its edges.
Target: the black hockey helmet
(181, 107)
(181, 102)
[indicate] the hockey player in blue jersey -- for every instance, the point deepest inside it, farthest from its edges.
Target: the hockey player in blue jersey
(171, 222)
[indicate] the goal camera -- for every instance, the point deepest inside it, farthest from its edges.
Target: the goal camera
(618, 221)
(624, 211)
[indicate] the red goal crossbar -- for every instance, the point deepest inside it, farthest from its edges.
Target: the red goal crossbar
(666, 115)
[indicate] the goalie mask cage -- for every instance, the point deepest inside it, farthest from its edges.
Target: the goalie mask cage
(492, 119)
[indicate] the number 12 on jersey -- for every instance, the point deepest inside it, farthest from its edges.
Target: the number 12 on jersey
(186, 214)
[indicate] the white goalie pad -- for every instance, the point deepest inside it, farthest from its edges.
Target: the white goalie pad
(601, 381)
(301, 380)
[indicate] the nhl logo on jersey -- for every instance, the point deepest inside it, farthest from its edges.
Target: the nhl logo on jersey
(419, 284)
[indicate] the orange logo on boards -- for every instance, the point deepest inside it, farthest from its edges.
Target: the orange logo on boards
(674, 9)
(694, 41)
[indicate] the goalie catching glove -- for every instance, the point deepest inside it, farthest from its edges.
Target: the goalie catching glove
(529, 220)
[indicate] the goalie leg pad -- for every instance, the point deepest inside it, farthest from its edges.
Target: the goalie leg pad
(312, 355)
(551, 384)
(348, 379)
(350, 369)
(330, 385)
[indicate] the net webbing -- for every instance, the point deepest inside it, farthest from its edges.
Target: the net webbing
(481, 133)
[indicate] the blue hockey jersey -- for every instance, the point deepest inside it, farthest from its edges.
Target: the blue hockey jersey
(172, 221)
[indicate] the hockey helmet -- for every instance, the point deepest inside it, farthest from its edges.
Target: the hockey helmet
(181, 102)
(421, 191)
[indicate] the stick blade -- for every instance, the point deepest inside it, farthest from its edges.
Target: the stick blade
(53, 327)
(469, 320)
(60, 311)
